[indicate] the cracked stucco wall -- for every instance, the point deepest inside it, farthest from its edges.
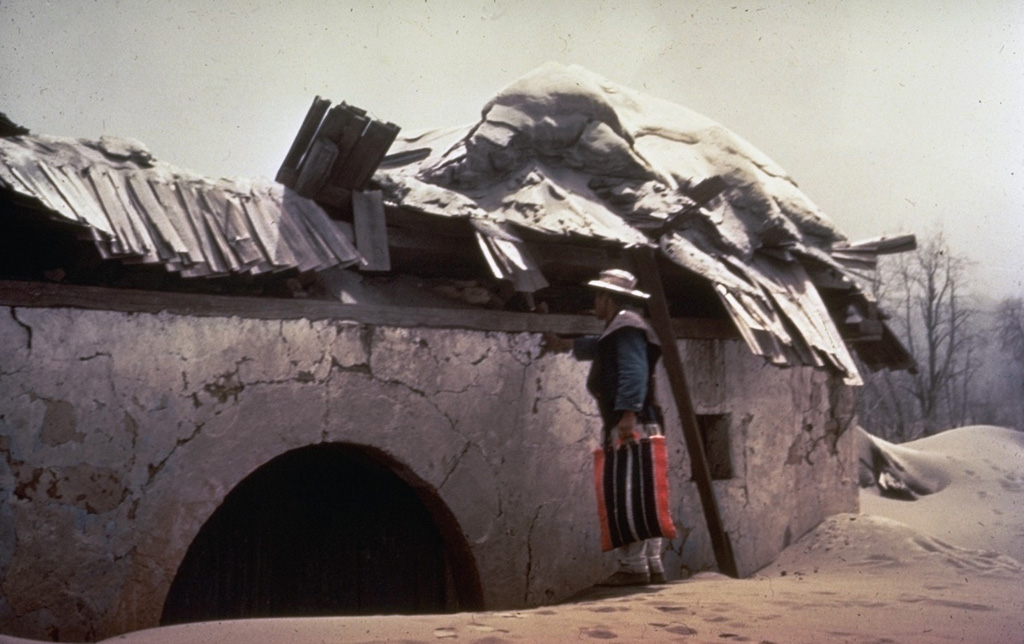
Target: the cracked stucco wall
(120, 434)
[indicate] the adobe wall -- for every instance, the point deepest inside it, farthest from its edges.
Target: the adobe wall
(120, 434)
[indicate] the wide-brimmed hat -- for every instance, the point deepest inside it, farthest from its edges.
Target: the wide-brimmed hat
(616, 280)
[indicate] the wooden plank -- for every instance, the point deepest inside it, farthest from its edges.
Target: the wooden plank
(228, 213)
(317, 221)
(243, 238)
(265, 216)
(499, 256)
(287, 177)
(167, 198)
(790, 345)
(114, 203)
(795, 297)
(316, 167)
(307, 256)
(7, 178)
(210, 222)
(36, 185)
(52, 195)
(855, 260)
(371, 230)
(338, 121)
(218, 222)
(404, 157)
(146, 202)
(288, 173)
(206, 245)
(154, 219)
(141, 227)
(330, 146)
(526, 276)
(353, 170)
(26, 184)
(51, 295)
(220, 244)
(69, 183)
(347, 141)
(121, 243)
(759, 329)
(497, 270)
(509, 260)
(265, 233)
(325, 257)
(381, 135)
(824, 335)
(885, 245)
(650, 277)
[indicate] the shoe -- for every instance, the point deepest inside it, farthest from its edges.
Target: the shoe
(623, 578)
(658, 577)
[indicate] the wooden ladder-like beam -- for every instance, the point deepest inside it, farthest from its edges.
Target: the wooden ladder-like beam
(650, 278)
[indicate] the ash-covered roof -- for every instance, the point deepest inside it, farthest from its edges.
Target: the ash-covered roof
(142, 211)
(564, 171)
(566, 153)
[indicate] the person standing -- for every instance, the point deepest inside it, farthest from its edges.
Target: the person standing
(621, 380)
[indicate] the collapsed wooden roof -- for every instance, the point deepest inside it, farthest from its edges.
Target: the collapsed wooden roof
(561, 163)
(138, 210)
(565, 153)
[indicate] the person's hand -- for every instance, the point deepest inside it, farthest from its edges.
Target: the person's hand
(626, 426)
(554, 343)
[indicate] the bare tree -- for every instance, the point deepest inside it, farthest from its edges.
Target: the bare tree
(885, 408)
(1009, 332)
(925, 293)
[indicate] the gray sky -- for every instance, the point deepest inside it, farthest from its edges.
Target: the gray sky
(892, 115)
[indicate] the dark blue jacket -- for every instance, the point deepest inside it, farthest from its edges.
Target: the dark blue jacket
(623, 360)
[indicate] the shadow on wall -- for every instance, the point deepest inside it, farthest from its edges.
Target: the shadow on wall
(326, 530)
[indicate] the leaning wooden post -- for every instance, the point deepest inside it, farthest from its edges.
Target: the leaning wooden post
(650, 278)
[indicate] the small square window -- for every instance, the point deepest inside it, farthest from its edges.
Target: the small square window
(714, 433)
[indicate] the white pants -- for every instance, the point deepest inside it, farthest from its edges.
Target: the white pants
(641, 556)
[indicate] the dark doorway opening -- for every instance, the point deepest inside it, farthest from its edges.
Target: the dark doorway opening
(325, 530)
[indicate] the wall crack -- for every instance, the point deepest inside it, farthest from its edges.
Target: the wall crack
(529, 553)
(454, 464)
(154, 468)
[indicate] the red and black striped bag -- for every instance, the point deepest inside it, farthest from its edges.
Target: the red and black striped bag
(632, 492)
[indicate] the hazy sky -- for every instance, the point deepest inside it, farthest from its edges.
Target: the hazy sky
(892, 115)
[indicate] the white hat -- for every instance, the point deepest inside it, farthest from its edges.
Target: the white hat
(618, 281)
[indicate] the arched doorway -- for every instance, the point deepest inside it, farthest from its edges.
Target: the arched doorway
(325, 530)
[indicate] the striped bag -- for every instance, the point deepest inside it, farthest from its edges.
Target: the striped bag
(632, 492)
